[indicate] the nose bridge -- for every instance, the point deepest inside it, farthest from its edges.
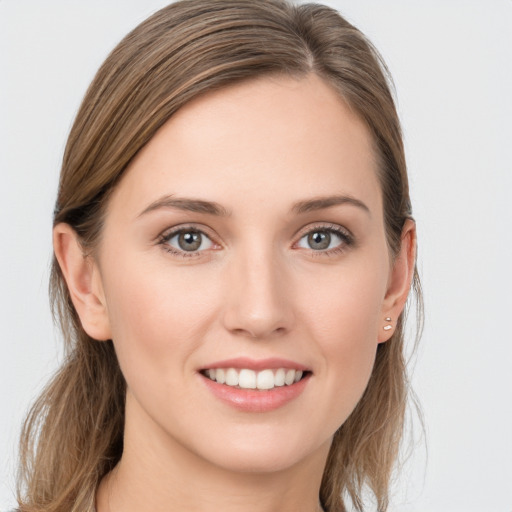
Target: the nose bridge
(258, 303)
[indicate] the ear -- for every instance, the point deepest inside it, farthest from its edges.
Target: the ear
(83, 280)
(399, 282)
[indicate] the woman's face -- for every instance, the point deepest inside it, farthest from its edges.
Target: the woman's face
(246, 241)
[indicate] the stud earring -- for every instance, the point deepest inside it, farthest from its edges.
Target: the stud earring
(388, 327)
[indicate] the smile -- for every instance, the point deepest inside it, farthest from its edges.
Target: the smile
(245, 378)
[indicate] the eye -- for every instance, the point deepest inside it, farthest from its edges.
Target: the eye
(187, 240)
(324, 239)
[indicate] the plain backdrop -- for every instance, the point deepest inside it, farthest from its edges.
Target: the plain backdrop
(452, 65)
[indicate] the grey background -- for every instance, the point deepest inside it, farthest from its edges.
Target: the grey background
(451, 61)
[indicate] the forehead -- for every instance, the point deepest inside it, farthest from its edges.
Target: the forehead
(242, 145)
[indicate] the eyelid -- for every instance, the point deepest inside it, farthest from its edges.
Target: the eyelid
(187, 226)
(324, 226)
(167, 234)
(344, 233)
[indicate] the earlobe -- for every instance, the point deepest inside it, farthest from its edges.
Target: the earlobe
(83, 281)
(399, 282)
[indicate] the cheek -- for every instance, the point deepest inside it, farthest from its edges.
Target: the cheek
(343, 314)
(158, 314)
(345, 303)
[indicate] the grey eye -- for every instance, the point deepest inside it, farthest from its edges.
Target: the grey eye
(190, 241)
(320, 240)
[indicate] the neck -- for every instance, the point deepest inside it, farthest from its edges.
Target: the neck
(156, 473)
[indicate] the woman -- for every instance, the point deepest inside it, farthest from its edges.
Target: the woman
(234, 248)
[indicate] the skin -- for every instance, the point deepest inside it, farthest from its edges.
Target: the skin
(255, 288)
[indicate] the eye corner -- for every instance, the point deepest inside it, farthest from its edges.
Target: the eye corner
(187, 241)
(328, 233)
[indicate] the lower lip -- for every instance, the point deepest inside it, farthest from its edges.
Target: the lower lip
(251, 400)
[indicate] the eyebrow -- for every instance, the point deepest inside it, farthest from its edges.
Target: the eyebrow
(319, 203)
(213, 208)
(186, 204)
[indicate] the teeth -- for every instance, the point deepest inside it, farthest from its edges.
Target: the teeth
(289, 377)
(249, 379)
(265, 379)
(279, 377)
(220, 375)
(232, 377)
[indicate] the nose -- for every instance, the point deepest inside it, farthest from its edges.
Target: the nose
(259, 297)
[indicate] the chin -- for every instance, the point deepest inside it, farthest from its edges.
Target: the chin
(264, 451)
(258, 463)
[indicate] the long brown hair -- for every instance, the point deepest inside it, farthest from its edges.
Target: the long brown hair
(73, 434)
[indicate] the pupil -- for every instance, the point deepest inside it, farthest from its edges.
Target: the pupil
(189, 241)
(319, 240)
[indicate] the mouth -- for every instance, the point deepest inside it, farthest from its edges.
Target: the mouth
(262, 380)
(256, 385)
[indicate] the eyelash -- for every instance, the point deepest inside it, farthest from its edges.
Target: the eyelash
(345, 236)
(347, 239)
(165, 237)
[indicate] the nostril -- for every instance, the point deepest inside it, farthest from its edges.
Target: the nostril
(259, 334)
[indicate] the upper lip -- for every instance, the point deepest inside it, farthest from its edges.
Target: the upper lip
(256, 364)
